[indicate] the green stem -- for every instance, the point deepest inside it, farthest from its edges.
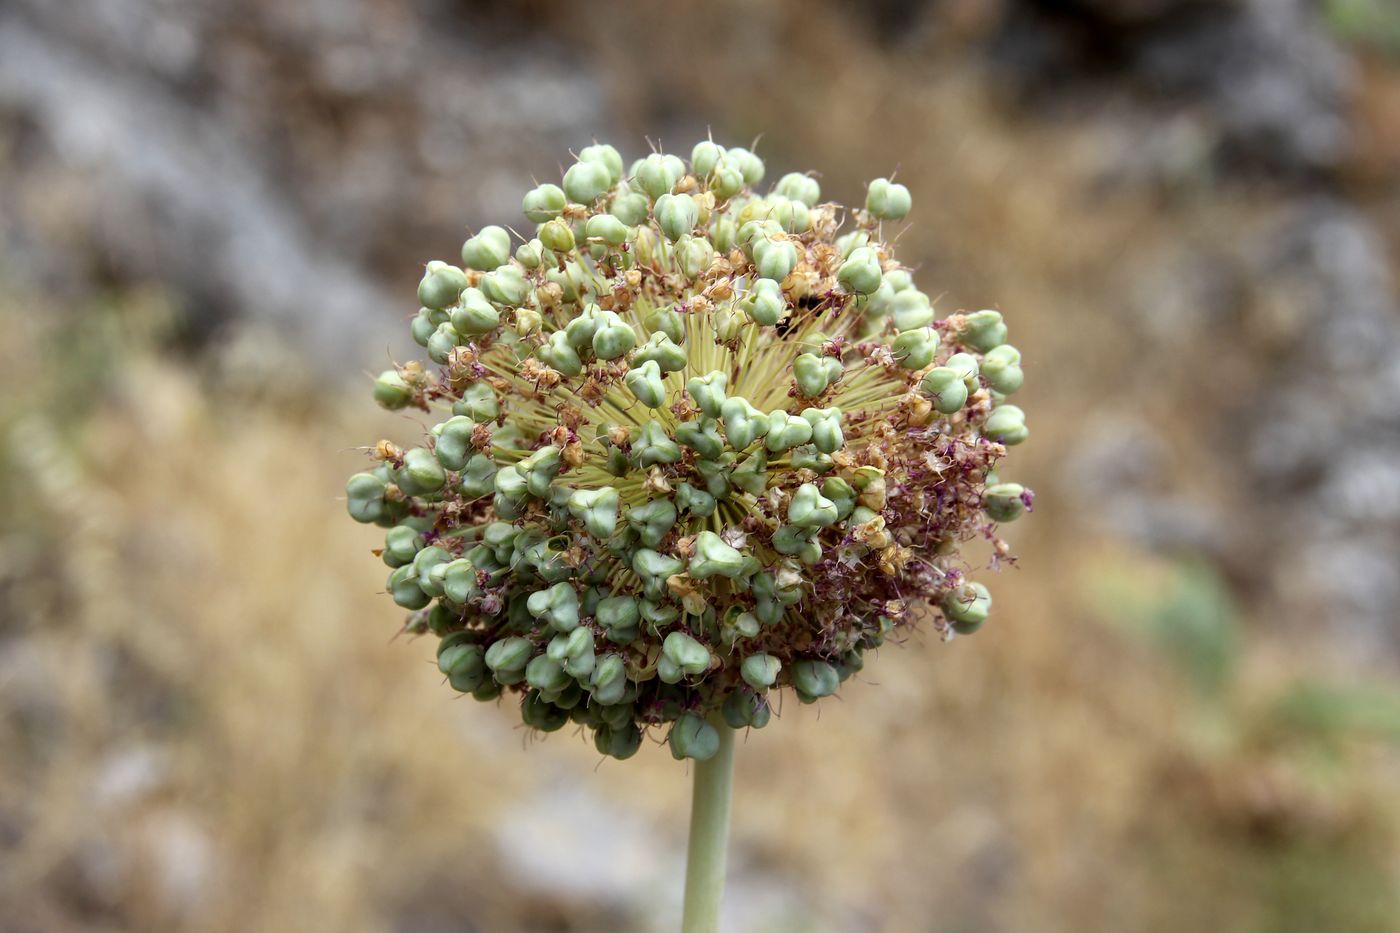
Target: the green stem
(709, 835)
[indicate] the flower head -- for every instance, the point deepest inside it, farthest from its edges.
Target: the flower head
(694, 444)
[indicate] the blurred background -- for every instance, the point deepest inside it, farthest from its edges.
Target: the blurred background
(1185, 714)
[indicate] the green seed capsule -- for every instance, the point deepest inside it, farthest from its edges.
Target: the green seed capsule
(688, 655)
(441, 344)
(538, 713)
(743, 424)
(826, 428)
(606, 156)
(597, 509)
(654, 446)
(1007, 425)
(910, 309)
(743, 710)
(799, 188)
(364, 498)
(1004, 502)
(750, 164)
(657, 174)
(842, 494)
(915, 349)
(810, 509)
(404, 589)
(701, 436)
(545, 674)
(532, 254)
(946, 388)
(760, 671)
(558, 354)
(967, 607)
(807, 457)
(618, 612)
(764, 302)
(620, 742)
(708, 391)
(422, 327)
(421, 473)
(660, 348)
(453, 444)
(441, 285)
(692, 737)
(1001, 367)
(751, 475)
(726, 180)
(557, 605)
(704, 157)
(694, 254)
(848, 243)
(887, 200)
(786, 431)
(983, 331)
(607, 228)
(489, 249)
(629, 208)
(586, 182)
(646, 384)
(507, 286)
(814, 680)
(464, 666)
(459, 581)
(676, 215)
(654, 566)
(697, 502)
(390, 390)
(543, 203)
(614, 337)
(713, 557)
(557, 236)
(401, 544)
(860, 273)
(652, 520)
(774, 259)
(474, 314)
(608, 683)
(478, 478)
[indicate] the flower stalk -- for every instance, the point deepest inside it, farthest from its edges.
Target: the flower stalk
(709, 835)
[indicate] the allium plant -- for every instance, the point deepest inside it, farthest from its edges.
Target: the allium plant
(693, 445)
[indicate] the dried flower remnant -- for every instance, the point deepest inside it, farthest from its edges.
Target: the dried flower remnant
(695, 444)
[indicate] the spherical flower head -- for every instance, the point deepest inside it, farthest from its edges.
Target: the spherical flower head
(694, 444)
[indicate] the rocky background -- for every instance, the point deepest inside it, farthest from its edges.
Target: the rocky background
(212, 217)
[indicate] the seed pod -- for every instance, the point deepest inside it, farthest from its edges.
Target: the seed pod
(652, 520)
(1004, 502)
(760, 671)
(799, 188)
(712, 557)
(910, 309)
(704, 157)
(614, 337)
(543, 203)
(557, 605)
(946, 388)
(1006, 425)
(786, 431)
(441, 285)
(808, 508)
(967, 607)
(474, 314)
(860, 273)
(814, 680)
(597, 509)
(708, 391)
(557, 236)
(364, 498)
(401, 545)
(646, 384)
(693, 737)
(506, 286)
(1001, 367)
(826, 428)
(607, 228)
(774, 259)
(914, 349)
(586, 182)
(887, 200)
(660, 348)
(676, 214)
(489, 249)
(744, 710)
(390, 390)
(606, 156)
(983, 331)
(657, 174)
(654, 446)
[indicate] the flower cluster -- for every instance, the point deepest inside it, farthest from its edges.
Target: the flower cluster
(694, 444)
